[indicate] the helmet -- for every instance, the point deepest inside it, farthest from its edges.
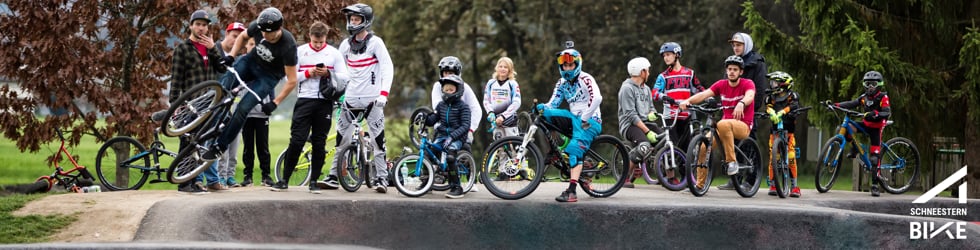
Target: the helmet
(362, 10)
(780, 80)
(671, 47)
(270, 19)
(200, 14)
(451, 63)
(637, 65)
(454, 80)
(734, 60)
(570, 55)
(873, 81)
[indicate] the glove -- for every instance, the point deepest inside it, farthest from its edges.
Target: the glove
(227, 60)
(776, 118)
(540, 107)
(381, 101)
(669, 100)
(492, 118)
(431, 119)
(268, 107)
(652, 136)
(827, 102)
(445, 143)
(652, 116)
(870, 116)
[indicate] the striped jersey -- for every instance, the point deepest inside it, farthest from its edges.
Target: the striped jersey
(679, 85)
(371, 72)
(309, 86)
(582, 95)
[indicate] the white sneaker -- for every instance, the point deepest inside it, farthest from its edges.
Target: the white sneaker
(474, 189)
(732, 168)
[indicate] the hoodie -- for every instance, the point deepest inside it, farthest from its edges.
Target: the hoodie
(755, 68)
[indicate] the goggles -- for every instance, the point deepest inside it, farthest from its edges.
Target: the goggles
(567, 58)
(869, 84)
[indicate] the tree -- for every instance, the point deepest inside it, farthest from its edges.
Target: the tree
(927, 50)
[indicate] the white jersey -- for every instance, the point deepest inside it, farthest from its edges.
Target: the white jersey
(583, 97)
(468, 97)
(309, 86)
(371, 72)
(502, 99)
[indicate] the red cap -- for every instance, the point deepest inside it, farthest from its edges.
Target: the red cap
(235, 26)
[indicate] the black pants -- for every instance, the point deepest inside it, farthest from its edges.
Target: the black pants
(311, 119)
(255, 135)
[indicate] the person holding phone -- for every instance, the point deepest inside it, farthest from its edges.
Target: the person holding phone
(321, 70)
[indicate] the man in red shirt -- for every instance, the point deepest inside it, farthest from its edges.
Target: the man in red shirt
(736, 122)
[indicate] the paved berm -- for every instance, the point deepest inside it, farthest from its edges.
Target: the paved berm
(647, 217)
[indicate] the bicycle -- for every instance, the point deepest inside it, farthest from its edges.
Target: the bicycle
(605, 164)
(747, 155)
(68, 180)
(779, 172)
(899, 156)
(302, 164)
(199, 115)
(132, 166)
(423, 177)
(355, 159)
(666, 161)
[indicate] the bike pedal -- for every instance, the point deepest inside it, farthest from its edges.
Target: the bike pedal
(157, 181)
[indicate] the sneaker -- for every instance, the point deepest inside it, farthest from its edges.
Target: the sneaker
(217, 187)
(267, 181)
(523, 175)
(772, 190)
(874, 190)
(192, 189)
(213, 153)
(853, 153)
(795, 193)
(674, 181)
(280, 186)
(727, 186)
(629, 185)
(566, 197)
(455, 193)
(314, 189)
(231, 182)
(732, 168)
(380, 185)
(501, 177)
(329, 183)
(200, 185)
(474, 189)
(247, 182)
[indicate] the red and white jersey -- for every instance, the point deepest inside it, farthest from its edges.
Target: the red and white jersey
(309, 86)
(371, 72)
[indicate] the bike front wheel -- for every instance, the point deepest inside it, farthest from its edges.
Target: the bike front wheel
(699, 171)
(778, 175)
(417, 123)
(605, 167)
(188, 164)
(828, 164)
(302, 168)
(670, 168)
(122, 163)
(899, 165)
(192, 108)
(747, 180)
(350, 169)
(413, 177)
(509, 175)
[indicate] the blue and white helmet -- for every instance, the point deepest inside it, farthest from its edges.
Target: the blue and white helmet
(570, 55)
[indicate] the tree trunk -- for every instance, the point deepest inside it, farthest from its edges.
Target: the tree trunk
(972, 159)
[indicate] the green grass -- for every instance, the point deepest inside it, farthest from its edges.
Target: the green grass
(24, 167)
(28, 229)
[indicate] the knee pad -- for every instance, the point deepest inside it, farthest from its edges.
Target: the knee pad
(638, 152)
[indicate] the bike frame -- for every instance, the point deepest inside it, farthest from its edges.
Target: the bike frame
(68, 179)
(851, 127)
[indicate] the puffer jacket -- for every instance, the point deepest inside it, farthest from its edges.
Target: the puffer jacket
(453, 119)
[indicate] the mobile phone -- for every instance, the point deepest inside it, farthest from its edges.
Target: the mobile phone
(319, 65)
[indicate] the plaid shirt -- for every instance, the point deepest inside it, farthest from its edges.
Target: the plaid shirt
(189, 68)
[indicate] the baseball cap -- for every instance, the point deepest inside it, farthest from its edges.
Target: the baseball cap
(736, 38)
(200, 14)
(235, 26)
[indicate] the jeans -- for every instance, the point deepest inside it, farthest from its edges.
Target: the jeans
(260, 81)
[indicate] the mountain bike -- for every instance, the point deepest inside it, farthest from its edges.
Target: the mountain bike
(899, 156)
(355, 159)
(199, 115)
(73, 179)
(779, 172)
(747, 156)
(415, 178)
(303, 163)
(605, 165)
(131, 167)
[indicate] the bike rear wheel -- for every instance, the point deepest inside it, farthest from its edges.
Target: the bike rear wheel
(302, 168)
(350, 169)
(501, 171)
(413, 178)
(747, 181)
(523, 122)
(699, 170)
(188, 164)
(126, 171)
(192, 108)
(605, 167)
(899, 165)
(467, 170)
(779, 177)
(670, 168)
(828, 164)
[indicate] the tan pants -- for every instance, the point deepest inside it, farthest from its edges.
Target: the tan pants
(728, 130)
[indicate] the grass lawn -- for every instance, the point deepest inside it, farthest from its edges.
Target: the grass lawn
(28, 229)
(24, 167)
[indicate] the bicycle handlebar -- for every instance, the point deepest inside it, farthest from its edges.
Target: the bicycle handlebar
(791, 113)
(846, 111)
(241, 84)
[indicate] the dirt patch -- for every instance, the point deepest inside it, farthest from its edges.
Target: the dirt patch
(102, 217)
